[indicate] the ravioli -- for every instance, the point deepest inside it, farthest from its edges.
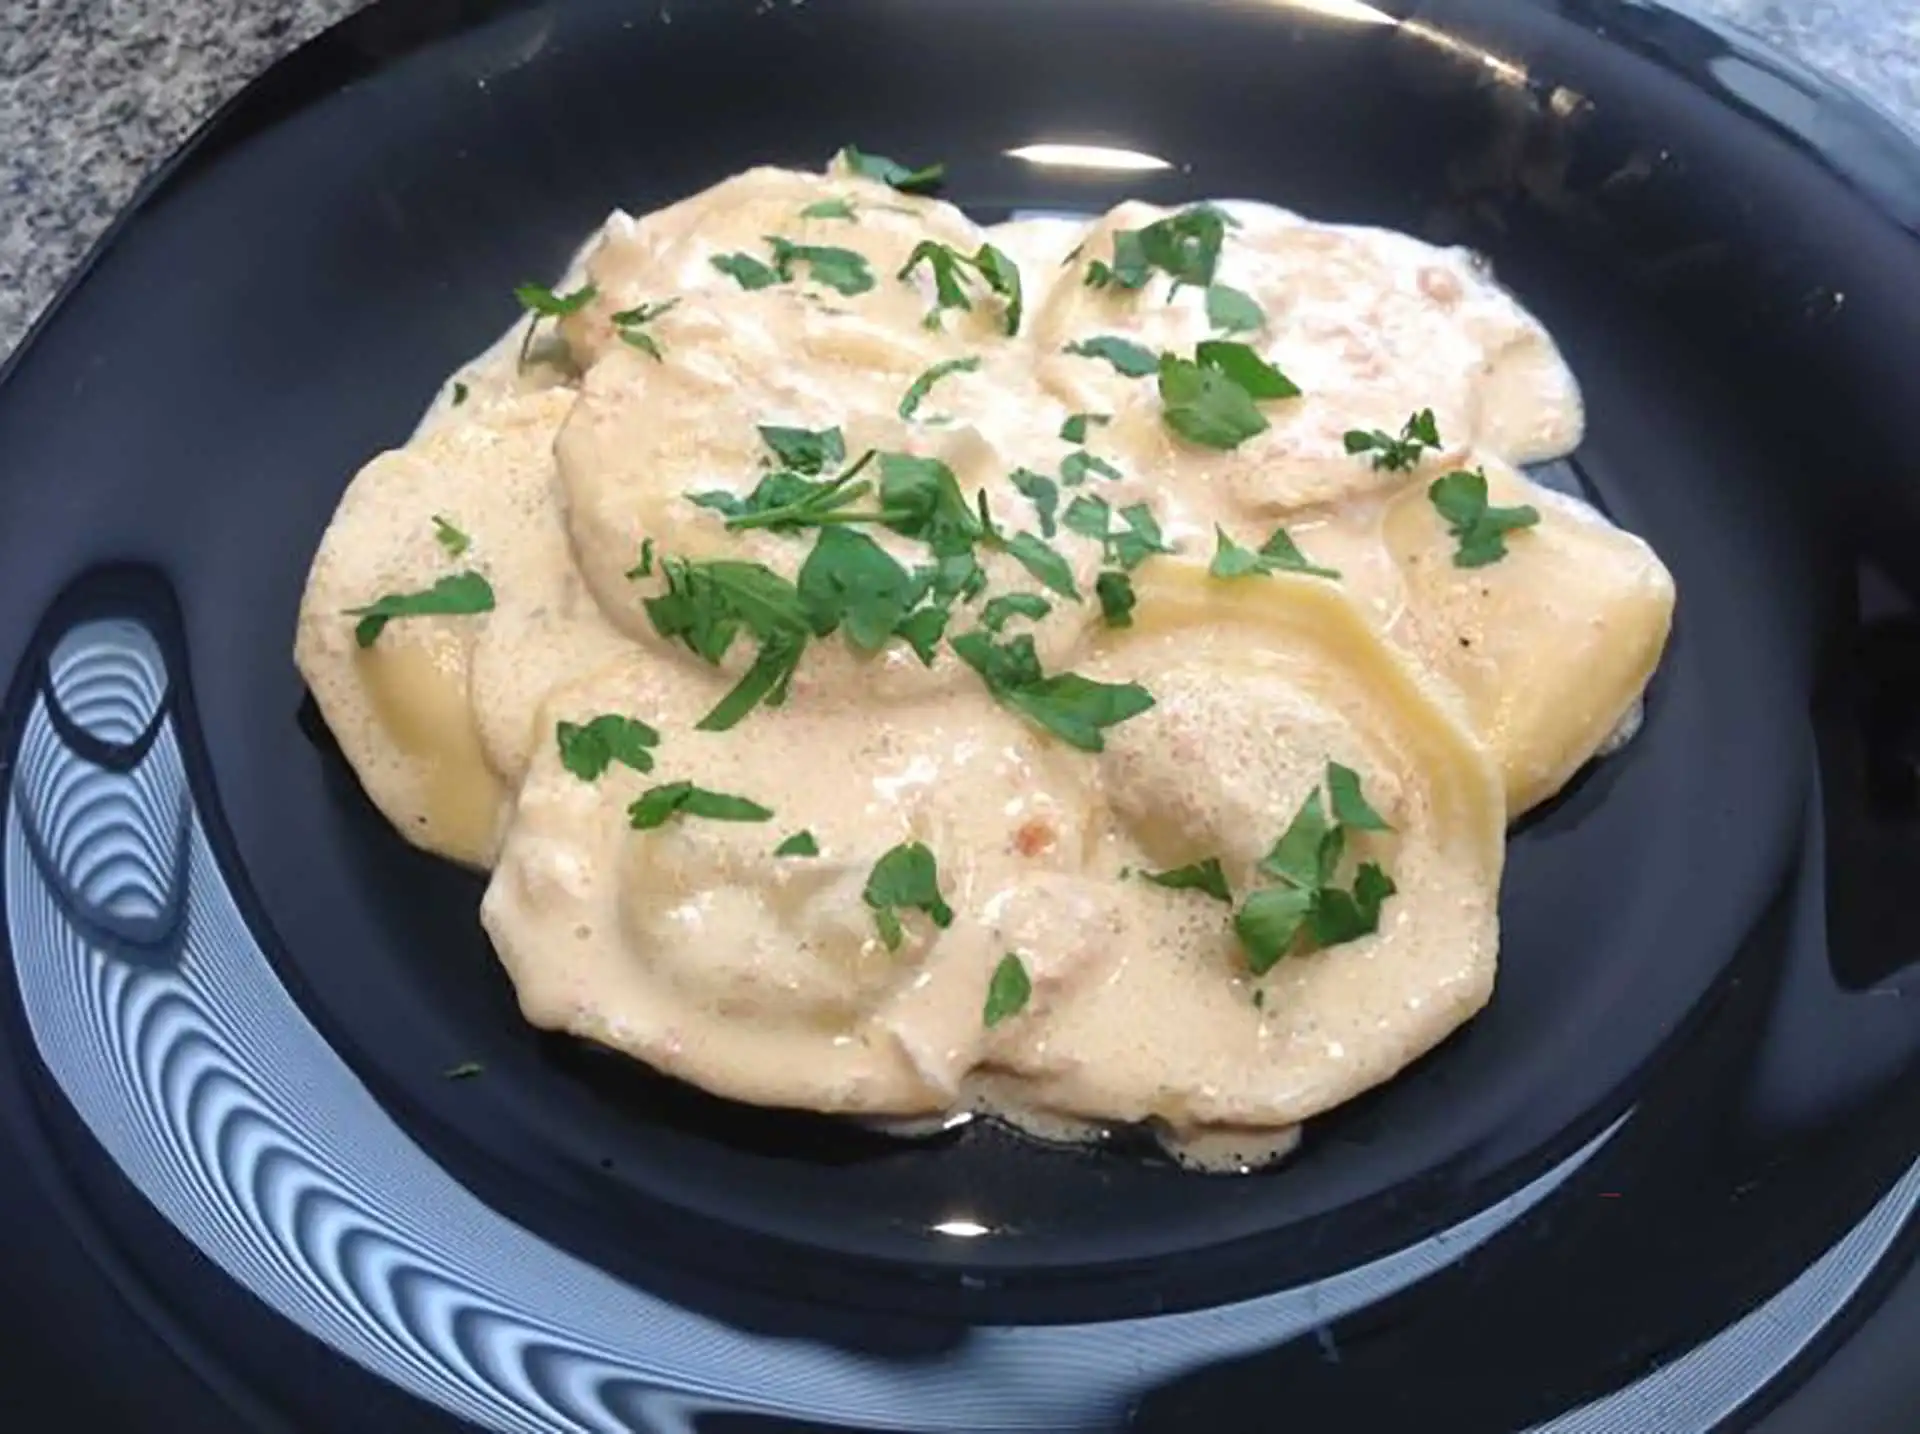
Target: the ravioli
(929, 668)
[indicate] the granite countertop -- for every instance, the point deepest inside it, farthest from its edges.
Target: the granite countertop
(95, 93)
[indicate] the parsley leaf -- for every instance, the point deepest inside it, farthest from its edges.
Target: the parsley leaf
(631, 325)
(1277, 554)
(1008, 991)
(1075, 709)
(543, 303)
(850, 582)
(1091, 517)
(801, 843)
(1417, 434)
(808, 451)
(1074, 430)
(918, 390)
(643, 568)
(1044, 563)
(1461, 498)
(999, 611)
(459, 394)
(1231, 311)
(829, 209)
(950, 270)
(449, 537)
(1350, 807)
(1184, 246)
(745, 270)
(785, 502)
(707, 604)
(842, 270)
(1042, 492)
(1267, 922)
(588, 750)
(457, 595)
(892, 172)
(905, 878)
(1115, 591)
(922, 630)
(657, 804)
(1205, 876)
(1338, 917)
(1126, 356)
(1076, 466)
(1306, 852)
(1210, 399)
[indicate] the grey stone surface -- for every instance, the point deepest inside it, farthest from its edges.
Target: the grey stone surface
(95, 93)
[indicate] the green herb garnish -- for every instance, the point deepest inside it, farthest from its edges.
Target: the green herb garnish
(1001, 610)
(746, 271)
(588, 749)
(1077, 465)
(829, 209)
(808, 451)
(1044, 562)
(631, 324)
(1042, 492)
(1211, 399)
(1075, 709)
(918, 390)
(1306, 861)
(850, 582)
(449, 537)
(1231, 311)
(1125, 355)
(458, 595)
(1417, 434)
(1074, 430)
(951, 271)
(906, 878)
(1461, 498)
(1277, 555)
(1184, 246)
(891, 172)
(459, 393)
(657, 804)
(543, 303)
(1204, 876)
(801, 843)
(1115, 591)
(842, 270)
(1008, 991)
(708, 604)
(643, 568)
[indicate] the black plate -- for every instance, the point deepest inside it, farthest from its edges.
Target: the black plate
(1683, 1135)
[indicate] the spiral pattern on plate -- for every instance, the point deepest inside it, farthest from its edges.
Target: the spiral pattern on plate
(160, 1018)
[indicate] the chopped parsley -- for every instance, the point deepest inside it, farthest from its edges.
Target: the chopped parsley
(631, 324)
(1231, 311)
(1306, 861)
(1001, 610)
(1203, 876)
(1008, 991)
(843, 270)
(785, 502)
(1074, 430)
(918, 390)
(851, 583)
(745, 270)
(1277, 555)
(1044, 562)
(809, 451)
(449, 537)
(1184, 246)
(1127, 357)
(1115, 591)
(1211, 399)
(543, 303)
(801, 843)
(657, 804)
(1043, 493)
(643, 568)
(1077, 465)
(708, 604)
(906, 878)
(951, 270)
(891, 172)
(1075, 709)
(830, 209)
(457, 595)
(588, 749)
(459, 393)
(1133, 544)
(1461, 498)
(1396, 455)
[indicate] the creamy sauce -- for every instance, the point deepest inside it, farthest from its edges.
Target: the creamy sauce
(1464, 696)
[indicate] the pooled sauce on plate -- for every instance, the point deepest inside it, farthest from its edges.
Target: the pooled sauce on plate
(1079, 672)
